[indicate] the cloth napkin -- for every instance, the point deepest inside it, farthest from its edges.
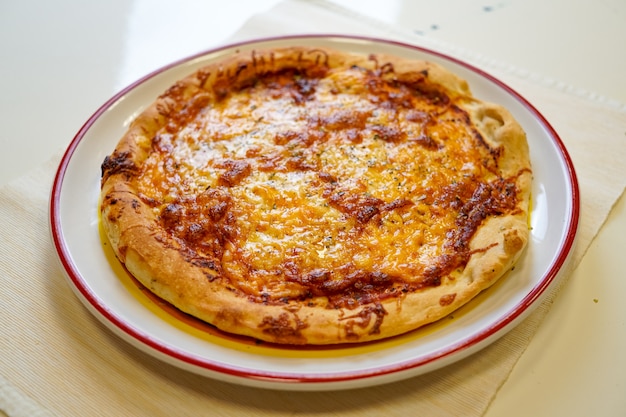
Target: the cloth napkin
(57, 359)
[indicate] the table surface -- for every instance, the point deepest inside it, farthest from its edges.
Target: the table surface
(89, 50)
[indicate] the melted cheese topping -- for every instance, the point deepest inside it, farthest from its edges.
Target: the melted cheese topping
(343, 185)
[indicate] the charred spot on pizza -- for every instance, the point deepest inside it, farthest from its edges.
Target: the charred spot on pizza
(363, 319)
(362, 207)
(115, 205)
(426, 141)
(109, 199)
(304, 88)
(118, 163)
(234, 172)
(287, 327)
(171, 215)
(211, 267)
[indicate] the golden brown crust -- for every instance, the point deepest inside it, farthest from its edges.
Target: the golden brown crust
(146, 233)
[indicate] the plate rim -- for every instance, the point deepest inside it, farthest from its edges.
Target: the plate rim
(468, 345)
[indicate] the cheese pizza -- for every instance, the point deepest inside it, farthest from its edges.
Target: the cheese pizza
(311, 196)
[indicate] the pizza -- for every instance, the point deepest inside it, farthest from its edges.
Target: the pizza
(309, 196)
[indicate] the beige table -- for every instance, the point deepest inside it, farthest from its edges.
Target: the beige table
(61, 60)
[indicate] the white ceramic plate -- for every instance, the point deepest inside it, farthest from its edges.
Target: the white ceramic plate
(104, 287)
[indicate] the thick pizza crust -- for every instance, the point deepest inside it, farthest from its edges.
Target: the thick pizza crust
(148, 254)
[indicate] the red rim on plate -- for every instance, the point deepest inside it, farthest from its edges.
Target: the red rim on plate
(394, 370)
